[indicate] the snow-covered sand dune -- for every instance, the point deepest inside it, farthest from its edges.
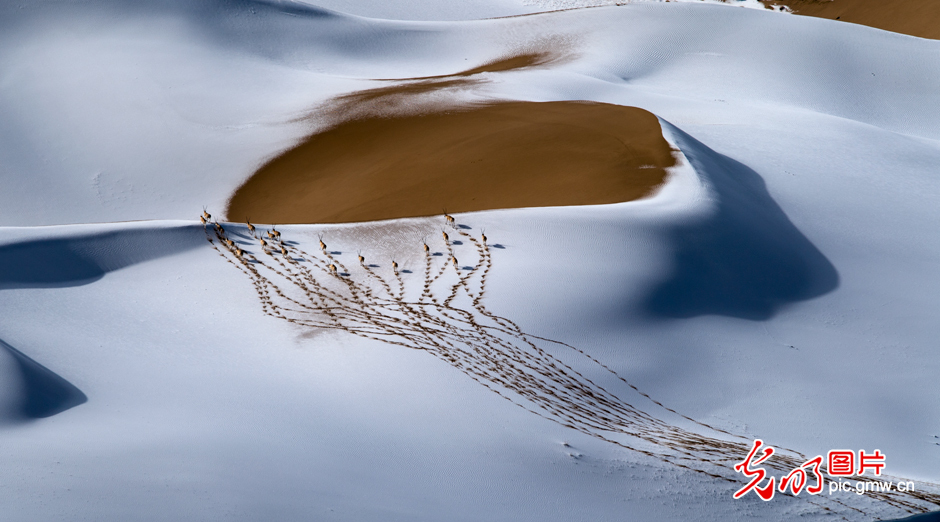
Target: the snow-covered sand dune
(781, 285)
(152, 92)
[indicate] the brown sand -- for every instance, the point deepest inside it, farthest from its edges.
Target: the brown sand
(417, 95)
(914, 17)
(501, 155)
(510, 63)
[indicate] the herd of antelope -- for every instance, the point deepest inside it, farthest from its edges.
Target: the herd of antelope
(272, 244)
(444, 315)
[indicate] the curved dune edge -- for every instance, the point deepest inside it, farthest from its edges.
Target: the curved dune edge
(500, 155)
(912, 17)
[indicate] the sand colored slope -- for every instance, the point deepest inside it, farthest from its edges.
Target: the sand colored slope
(410, 95)
(509, 63)
(421, 85)
(914, 17)
(502, 155)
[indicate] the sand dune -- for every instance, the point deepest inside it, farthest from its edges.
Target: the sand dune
(501, 155)
(914, 17)
(791, 255)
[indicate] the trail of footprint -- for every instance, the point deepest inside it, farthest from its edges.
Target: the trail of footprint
(495, 352)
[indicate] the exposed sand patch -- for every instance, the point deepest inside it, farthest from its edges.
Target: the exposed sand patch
(511, 63)
(422, 94)
(914, 17)
(500, 155)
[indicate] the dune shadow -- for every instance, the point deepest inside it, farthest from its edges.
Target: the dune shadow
(933, 516)
(747, 259)
(66, 262)
(44, 393)
(79, 260)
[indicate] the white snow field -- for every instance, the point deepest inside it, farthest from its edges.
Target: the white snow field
(784, 284)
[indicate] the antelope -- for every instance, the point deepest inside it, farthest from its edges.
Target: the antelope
(454, 259)
(427, 249)
(394, 266)
(264, 243)
(205, 214)
(239, 252)
(275, 234)
(251, 228)
(203, 219)
(322, 244)
(219, 227)
(229, 242)
(483, 235)
(332, 268)
(446, 239)
(283, 251)
(362, 260)
(449, 219)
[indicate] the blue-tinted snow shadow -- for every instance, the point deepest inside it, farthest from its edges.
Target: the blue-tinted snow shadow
(66, 262)
(79, 260)
(747, 259)
(924, 517)
(43, 393)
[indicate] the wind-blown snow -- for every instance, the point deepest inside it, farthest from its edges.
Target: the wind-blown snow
(782, 285)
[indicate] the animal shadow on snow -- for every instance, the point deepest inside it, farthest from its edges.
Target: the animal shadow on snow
(747, 259)
(66, 262)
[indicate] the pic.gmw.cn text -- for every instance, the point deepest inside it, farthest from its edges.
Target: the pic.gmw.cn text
(840, 464)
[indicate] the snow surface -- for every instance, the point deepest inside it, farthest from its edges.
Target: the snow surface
(140, 380)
